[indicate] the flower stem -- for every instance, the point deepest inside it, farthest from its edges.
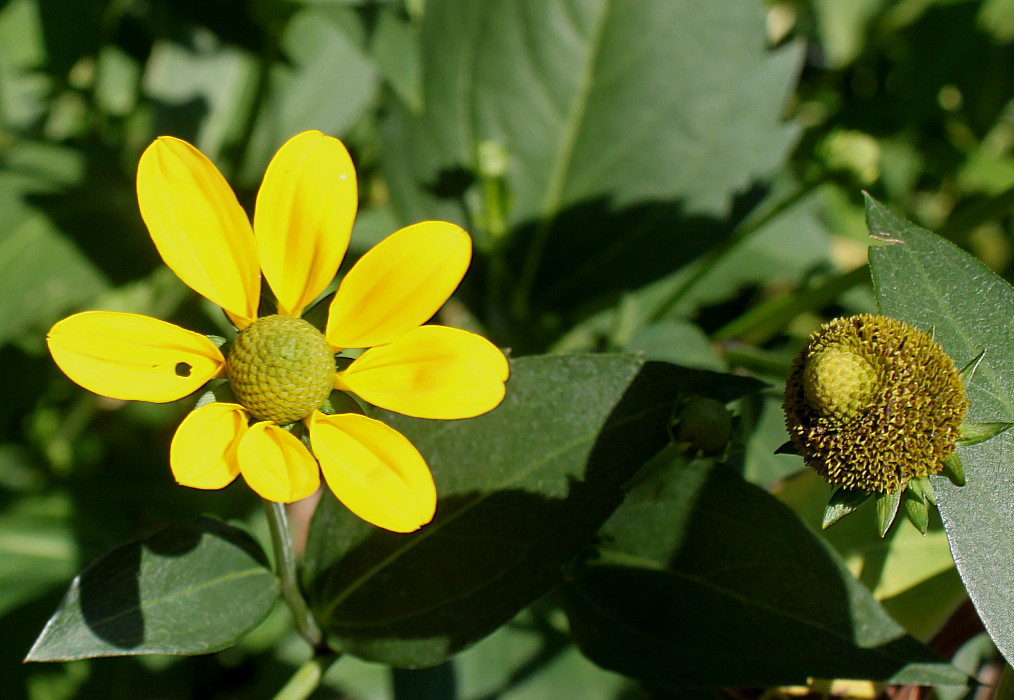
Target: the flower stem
(285, 562)
(306, 679)
(716, 255)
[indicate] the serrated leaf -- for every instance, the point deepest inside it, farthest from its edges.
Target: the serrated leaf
(580, 117)
(927, 281)
(522, 490)
(191, 588)
(703, 579)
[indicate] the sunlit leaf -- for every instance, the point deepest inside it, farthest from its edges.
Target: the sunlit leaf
(621, 124)
(188, 589)
(926, 281)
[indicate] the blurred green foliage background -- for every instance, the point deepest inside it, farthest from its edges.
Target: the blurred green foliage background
(677, 177)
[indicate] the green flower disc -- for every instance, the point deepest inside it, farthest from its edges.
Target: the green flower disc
(873, 402)
(281, 369)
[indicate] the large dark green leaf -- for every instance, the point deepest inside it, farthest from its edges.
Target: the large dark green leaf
(705, 580)
(522, 490)
(926, 281)
(621, 124)
(188, 589)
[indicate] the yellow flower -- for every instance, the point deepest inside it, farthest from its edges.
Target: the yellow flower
(280, 367)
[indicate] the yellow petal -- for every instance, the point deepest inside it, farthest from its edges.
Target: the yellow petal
(398, 285)
(276, 465)
(374, 471)
(303, 220)
(198, 226)
(430, 372)
(203, 451)
(133, 357)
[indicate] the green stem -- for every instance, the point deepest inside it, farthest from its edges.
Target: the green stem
(306, 679)
(762, 322)
(717, 254)
(286, 563)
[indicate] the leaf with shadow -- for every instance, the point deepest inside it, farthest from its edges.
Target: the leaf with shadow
(595, 249)
(622, 128)
(191, 588)
(705, 580)
(523, 489)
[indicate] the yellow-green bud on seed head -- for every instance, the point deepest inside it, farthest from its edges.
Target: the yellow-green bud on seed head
(873, 402)
(839, 383)
(281, 369)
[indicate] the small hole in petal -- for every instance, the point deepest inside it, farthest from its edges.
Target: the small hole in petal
(183, 369)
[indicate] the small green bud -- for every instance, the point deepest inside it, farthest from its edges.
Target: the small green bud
(705, 425)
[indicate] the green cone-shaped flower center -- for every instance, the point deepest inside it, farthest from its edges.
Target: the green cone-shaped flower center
(281, 369)
(839, 384)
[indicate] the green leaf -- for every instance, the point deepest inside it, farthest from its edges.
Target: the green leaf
(188, 589)
(705, 580)
(325, 83)
(45, 272)
(523, 489)
(37, 547)
(926, 281)
(614, 116)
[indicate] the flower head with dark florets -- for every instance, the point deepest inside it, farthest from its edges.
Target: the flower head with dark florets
(873, 402)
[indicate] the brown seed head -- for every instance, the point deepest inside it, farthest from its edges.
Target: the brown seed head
(872, 402)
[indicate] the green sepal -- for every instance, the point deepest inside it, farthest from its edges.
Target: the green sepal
(787, 449)
(887, 510)
(218, 340)
(953, 469)
(968, 371)
(218, 390)
(341, 402)
(923, 487)
(843, 502)
(916, 508)
(974, 433)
